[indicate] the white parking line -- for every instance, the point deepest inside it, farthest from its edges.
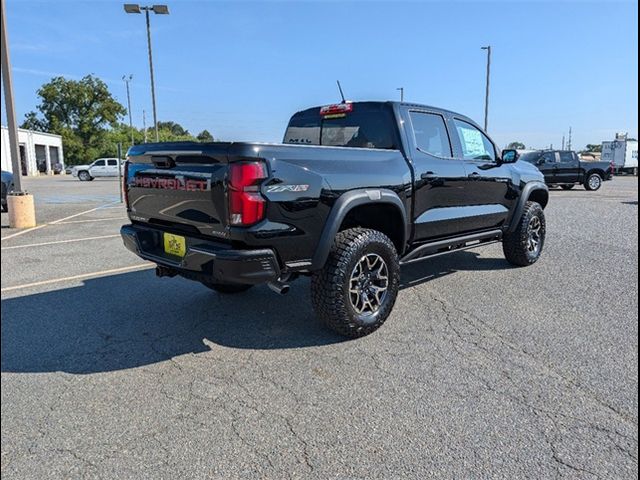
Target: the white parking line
(59, 241)
(142, 266)
(91, 220)
(55, 222)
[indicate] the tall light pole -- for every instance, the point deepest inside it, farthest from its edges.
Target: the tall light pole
(7, 83)
(126, 81)
(22, 212)
(401, 89)
(486, 96)
(159, 10)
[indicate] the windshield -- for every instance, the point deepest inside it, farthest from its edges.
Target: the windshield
(368, 125)
(531, 157)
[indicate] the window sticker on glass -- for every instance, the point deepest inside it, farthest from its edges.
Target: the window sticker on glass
(472, 143)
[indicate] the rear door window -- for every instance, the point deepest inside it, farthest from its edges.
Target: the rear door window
(566, 157)
(475, 144)
(430, 133)
(112, 163)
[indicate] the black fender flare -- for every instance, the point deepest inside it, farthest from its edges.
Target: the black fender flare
(345, 203)
(528, 189)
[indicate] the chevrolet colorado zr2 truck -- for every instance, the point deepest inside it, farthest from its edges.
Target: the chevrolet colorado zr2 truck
(354, 191)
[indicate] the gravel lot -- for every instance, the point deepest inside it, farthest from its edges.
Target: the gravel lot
(482, 371)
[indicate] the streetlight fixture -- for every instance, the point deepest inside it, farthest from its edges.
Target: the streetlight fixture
(126, 80)
(486, 96)
(158, 10)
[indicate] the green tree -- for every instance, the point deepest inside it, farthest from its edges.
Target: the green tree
(32, 122)
(516, 146)
(82, 111)
(594, 148)
(204, 136)
(174, 128)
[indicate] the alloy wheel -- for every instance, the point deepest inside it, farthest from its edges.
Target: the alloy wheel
(368, 284)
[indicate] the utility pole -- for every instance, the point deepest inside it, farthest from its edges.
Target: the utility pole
(22, 213)
(562, 142)
(401, 89)
(486, 96)
(144, 124)
(569, 142)
(126, 81)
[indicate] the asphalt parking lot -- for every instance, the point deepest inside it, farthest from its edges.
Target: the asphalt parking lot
(482, 370)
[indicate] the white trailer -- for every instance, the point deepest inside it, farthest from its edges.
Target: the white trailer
(622, 153)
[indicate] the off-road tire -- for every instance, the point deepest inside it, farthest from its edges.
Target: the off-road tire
(588, 185)
(229, 288)
(567, 187)
(330, 285)
(515, 245)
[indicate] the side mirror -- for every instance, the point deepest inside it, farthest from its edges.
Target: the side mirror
(510, 156)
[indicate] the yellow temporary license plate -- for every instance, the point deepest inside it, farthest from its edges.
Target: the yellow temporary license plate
(175, 244)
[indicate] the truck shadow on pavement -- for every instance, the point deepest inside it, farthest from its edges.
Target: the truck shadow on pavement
(135, 319)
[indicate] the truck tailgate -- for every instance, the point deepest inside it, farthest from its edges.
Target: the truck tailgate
(179, 187)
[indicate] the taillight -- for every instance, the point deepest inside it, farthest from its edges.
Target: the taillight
(125, 189)
(246, 205)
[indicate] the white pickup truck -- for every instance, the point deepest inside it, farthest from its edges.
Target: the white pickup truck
(102, 167)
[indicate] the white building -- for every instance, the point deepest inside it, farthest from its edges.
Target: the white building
(39, 151)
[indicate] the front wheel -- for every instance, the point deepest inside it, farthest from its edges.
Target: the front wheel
(355, 291)
(84, 176)
(593, 182)
(524, 246)
(227, 287)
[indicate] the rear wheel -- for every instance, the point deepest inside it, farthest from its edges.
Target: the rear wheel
(567, 187)
(227, 287)
(593, 182)
(524, 246)
(355, 291)
(84, 176)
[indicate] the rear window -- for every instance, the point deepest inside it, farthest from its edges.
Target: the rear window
(368, 125)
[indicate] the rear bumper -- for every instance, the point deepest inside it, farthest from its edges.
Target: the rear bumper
(204, 260)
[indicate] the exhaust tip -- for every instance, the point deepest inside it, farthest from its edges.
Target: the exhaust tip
(279, 287)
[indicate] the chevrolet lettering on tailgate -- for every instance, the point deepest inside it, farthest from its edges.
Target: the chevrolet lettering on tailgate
(187, 185)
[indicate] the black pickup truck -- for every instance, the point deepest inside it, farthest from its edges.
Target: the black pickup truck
(564, 168)
(354, 191)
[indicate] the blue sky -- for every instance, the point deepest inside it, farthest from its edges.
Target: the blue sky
(240, 69)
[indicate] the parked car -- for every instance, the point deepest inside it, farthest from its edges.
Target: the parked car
(102, 167)
(7, 186)
(355, 191)
(564, 168)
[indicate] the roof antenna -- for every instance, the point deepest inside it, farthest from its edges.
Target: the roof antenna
(341, 94)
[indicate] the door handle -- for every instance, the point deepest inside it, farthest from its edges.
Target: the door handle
(428, 176)
(474, 175)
